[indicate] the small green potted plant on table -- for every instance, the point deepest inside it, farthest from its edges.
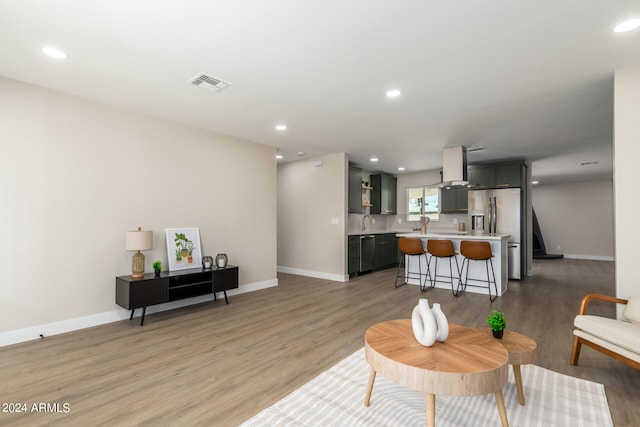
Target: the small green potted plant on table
(157, 267)
(497, 322)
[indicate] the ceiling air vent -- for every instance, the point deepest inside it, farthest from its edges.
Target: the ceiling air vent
(207, 81)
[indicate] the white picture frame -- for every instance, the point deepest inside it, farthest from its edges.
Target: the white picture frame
(183, 248)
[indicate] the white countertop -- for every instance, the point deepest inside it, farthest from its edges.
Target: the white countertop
(370, 232)
(458, 236)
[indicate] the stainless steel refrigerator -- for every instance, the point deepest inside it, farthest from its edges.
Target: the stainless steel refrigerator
(499, 211)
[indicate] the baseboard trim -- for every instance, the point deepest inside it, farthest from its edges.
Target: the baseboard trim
(590, 257)
(314, 274)
(45, 330)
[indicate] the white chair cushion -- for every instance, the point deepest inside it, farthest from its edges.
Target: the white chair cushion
(623, 334)
(631, 312)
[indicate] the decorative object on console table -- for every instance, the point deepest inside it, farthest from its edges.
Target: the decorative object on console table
(138, 240)
(157, 267)
(207, 262)
(183, 248)
(221, 260)
(497, 322)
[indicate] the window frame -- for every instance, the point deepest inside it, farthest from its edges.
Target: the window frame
(416, 205)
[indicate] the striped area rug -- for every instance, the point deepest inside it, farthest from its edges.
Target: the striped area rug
(336, 398)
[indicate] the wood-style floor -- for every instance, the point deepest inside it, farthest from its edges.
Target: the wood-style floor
(217, 364)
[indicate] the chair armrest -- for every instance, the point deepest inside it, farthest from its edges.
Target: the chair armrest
(589, 297)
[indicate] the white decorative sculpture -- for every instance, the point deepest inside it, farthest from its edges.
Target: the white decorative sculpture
(429, 325)
(441, 320)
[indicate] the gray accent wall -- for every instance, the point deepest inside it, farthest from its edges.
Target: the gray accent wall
(576, 219)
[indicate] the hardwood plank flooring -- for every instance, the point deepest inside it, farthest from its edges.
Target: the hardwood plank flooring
(217, 364)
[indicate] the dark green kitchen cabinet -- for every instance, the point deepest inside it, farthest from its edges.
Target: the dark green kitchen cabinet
(386, 251)
(353, 254)
(355, 189)
(481, 176)
(383, 194)
(497, 175)
(509, 174)
(454, 200)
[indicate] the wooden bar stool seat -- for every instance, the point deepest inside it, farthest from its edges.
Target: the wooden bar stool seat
(410, 247)
(474, 250)
(442, 249)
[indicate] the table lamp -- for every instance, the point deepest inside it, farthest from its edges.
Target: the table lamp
(138, 241)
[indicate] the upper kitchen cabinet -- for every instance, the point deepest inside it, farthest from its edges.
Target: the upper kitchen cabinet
(454, 199)
(481, 176)
(510, 174)
(355, 189)
(383, 194)
(497, 175)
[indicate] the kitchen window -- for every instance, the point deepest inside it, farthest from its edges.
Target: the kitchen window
(423, 201)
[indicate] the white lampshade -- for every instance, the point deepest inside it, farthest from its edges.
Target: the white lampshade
(139, 240)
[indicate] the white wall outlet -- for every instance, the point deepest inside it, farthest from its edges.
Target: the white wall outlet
(559, 247)
(455, 220)
(335, 221)
(373, 221)
(399, 220)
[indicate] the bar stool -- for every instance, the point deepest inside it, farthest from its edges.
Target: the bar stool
(410, 246)
(478, 251)
(442, 249)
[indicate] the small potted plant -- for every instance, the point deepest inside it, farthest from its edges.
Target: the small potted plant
(157, 267)
(497, 322)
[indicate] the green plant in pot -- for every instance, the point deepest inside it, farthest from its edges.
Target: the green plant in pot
(157, 267)
(497, 322)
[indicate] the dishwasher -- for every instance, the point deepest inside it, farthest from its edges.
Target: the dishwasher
(367, 252)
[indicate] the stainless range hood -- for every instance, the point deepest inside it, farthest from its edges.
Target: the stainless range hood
(454, 167)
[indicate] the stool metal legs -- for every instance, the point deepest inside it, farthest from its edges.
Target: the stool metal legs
(406, 273)
(463, 286)
(434, 279)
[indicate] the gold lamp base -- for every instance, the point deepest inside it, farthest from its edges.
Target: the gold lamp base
(137, 265)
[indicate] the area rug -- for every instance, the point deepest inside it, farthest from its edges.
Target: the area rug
(336, 398)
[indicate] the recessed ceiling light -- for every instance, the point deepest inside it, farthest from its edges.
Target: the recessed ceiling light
(534, 182)
(373, 159)
(393, 93)
(53, 52)
(628, 25)
(301, 153)
(281, 127)
(279, 156)
(401, 168)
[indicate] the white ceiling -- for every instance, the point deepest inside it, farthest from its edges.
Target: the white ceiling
(524, 79)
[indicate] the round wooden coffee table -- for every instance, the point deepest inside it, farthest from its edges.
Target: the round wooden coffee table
(522, 351)
(468, 363)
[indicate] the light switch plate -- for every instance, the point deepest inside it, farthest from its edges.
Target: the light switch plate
(335, 221)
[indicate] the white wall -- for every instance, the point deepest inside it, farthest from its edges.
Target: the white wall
(578, 217)
(309, 198)
(76, 174)
(626, 176)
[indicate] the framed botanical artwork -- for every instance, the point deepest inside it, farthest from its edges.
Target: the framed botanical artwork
(183, 248)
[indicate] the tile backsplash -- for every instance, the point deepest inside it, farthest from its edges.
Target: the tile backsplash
(398, 224)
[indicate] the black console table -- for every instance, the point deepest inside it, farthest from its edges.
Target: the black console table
(172, 286)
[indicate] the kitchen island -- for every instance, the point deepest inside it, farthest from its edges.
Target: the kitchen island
(477, 269)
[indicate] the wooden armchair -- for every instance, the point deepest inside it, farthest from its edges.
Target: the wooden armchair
(619, 339)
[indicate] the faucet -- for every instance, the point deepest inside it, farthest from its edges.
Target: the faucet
(365, 217)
